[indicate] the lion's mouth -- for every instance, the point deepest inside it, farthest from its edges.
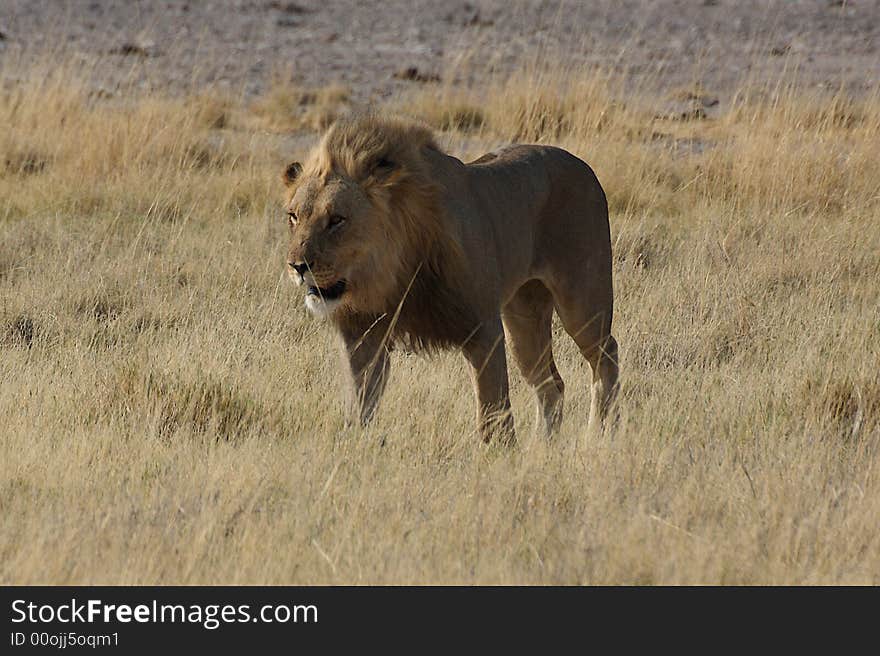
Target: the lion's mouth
(330, 293)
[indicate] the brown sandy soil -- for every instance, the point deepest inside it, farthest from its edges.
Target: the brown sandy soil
(373, 47)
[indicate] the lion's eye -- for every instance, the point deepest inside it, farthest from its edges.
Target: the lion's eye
(291, 218)
(335, 221)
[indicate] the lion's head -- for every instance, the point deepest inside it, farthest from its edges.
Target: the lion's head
(362, 215)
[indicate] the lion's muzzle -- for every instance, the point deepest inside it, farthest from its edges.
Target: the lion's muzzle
(299, 267)
(323, 301)
(331, 293)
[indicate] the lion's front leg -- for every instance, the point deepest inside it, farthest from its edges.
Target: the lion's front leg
(365, 350)
(486, 355)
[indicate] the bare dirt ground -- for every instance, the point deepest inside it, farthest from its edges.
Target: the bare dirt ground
(375, 48)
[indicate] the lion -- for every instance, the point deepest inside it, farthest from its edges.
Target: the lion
(398, 243)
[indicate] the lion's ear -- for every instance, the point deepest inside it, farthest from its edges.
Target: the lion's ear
(291, 173)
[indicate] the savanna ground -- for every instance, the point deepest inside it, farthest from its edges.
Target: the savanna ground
(169, 412)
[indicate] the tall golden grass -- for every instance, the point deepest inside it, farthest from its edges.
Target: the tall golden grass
(169, 412)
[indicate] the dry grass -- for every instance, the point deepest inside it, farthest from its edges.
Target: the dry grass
(287, 106)
(168, 410)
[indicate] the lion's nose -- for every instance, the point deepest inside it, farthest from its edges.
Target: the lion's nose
(299, 267)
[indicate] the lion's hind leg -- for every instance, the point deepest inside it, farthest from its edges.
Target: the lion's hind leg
(603, 390)
(527, 318)
(589, 325)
